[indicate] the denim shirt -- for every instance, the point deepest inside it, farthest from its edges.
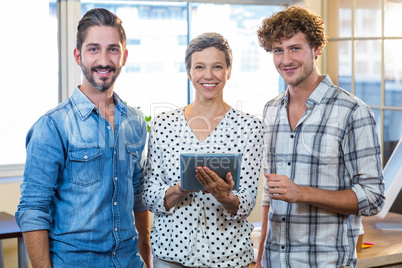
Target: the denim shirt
(82, 182)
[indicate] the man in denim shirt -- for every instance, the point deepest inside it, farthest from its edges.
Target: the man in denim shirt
(81, 194)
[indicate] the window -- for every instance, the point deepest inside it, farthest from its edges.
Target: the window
(363, 57)
(155, 77)
(30, 76)
(254, 79)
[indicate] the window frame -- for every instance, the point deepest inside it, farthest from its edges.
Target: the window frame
(382, 108)
(68, 15)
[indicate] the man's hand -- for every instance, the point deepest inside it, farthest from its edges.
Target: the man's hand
(283, 188)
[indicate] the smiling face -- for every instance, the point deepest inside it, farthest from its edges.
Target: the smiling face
(101, 58)
(209, 73)
(294, 59)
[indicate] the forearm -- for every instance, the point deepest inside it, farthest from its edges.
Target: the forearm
(263, 235)
(342, 202)
(172, 195)
(37, 245)
(142, 223)
(231, 203)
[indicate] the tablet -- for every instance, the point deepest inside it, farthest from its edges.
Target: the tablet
(220, 163)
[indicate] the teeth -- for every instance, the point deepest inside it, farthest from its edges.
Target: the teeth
(103, 72)
(208, 85)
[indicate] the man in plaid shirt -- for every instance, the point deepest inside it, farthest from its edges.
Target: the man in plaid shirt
(322, 156)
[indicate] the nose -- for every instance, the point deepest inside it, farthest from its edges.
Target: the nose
(287, 58)
(103, 59)
(208, 74)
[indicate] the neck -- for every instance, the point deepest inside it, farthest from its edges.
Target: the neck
(209, 109)
(101, 99)
(301, 92)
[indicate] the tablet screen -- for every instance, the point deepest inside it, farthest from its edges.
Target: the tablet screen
(221, 164)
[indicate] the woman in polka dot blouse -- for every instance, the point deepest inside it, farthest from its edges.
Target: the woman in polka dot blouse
(203, 228)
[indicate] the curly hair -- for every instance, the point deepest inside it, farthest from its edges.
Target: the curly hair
(287, 23)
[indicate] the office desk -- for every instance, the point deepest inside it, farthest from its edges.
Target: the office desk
(387, 249)
(10, 229)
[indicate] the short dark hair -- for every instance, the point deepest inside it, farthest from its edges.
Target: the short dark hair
(207, 40)
(99, 17)
(287, 23)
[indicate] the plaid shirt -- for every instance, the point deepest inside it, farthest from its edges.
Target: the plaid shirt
(335, 146)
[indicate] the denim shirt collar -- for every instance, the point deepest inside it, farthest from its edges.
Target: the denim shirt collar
(83, 106)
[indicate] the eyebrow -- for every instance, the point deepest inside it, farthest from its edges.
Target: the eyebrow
(98, 45)
(215, 62)
(290, 46)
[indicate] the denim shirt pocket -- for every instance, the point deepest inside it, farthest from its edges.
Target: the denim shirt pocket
(85, 166)
(133, 159)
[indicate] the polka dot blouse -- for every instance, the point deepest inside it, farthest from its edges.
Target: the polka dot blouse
(198, 231)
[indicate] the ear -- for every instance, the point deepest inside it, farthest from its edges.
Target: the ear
(77, 56)
(316, 52)
(189, 77)
(229, 73)
(125, 57)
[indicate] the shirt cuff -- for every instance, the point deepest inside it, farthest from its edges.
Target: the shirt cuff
(161, 204)
(362, 200)
(33, 220)
(241, 211)
(139, 205)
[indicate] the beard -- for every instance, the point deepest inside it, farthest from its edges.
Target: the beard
(305, 72)
(104, 84)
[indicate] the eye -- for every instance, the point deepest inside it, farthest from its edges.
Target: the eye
(277, 51)
(218, 67)
(114, 49)
(198, 67)
(93, 49)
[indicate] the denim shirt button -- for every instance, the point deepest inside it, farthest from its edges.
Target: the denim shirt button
(85, 157)
(115, 203)
(115, 229)
(109, 127)
(115, 178)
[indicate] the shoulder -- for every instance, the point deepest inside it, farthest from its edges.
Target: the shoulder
(343, 99)
(348, 102)
(350, 112)
(271, 107)
(244, 119)
(57, 114)
(135, 113)
(275, 102)
(169, 116)
(51, 124)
